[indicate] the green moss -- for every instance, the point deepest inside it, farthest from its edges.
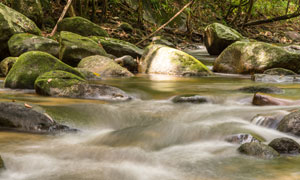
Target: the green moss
(56, 79)
(23, 42)
(126, 27)
(7, 64)
(118, 47)
(81, 26)
(32, 64)
(74, 47)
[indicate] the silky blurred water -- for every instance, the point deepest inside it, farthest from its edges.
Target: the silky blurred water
(150, 137)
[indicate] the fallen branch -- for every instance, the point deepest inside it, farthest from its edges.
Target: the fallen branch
(279, 18)
(61, 17)
(164, 25)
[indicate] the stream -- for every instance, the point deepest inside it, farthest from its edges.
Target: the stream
(150, 137)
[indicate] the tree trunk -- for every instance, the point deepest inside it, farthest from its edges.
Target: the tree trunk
(94, 8)
(287, 7)
(238, 14)
(104, 10)
(140, 14)
(249, 11)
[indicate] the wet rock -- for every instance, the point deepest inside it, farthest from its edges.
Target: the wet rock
(20, 117)
(103, 66)
(218, 37)
(128, 62)
(64, 84)
(255, 57)
(265, 100)
(117, 47)
(31, 9)
(74, 47)
(270, 120)
(161, 41)
(21, 43)
(279, 71)
(241, 138)
(196, 99)
(290, 123)
(285, 146)
(2, 166)
(81, 26)
(158, 59)
(12, 22)
(32, 64)
(262, 89)
(126, 27)
(6, 64)
(258, 150)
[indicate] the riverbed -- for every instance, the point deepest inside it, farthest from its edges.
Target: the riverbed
(150, 137)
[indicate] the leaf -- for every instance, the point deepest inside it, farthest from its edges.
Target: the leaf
(96, 74)
(27, 105)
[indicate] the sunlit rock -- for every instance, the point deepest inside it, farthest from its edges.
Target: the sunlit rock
(158, 59)
(255, 57)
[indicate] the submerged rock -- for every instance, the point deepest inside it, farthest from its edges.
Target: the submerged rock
(285, 146)
(158, 59)
(196, 99)
(218, 37)
(21, 43)
(6, 64)
(31, 9)
(128, 62)
(32, 64)
(258, 150)
(290, 123)
(241, 138)
(262, 89)
(21, 117)
(266, 78)
(13, 22)
(255, 57)
(64, 84)
(81, 26)
(103, 66)
(118, 47)
(270, 120)
(73, 48)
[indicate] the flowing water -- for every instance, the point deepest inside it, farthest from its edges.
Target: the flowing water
(149, 138)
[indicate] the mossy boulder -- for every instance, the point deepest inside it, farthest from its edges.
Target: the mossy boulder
(158, 59)
(258, 150)
(32, 64)
(255, 57)
(128, 62)
(88, 74)
(126, 27)
(52, 83)
(290, 123)
(218, 37)
(103, 66)
(81, 26)
(64, 84)
(74, 47)
(23, 42)
(285, 146)
(6, 64)
(23, 117)
(13, 22)
(117, 47)
(31, 9)
(279, 72)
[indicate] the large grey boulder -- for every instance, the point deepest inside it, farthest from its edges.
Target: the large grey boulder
(103, 66)
(74, 47)
(290, 123)
(23, 42)
(118, 47)
(285, 146)
(64, 84)
(259, 150)
(25, 118)
(217, 37)
(158, 59)
(13, 22)
(255, 57)
(81, 26)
